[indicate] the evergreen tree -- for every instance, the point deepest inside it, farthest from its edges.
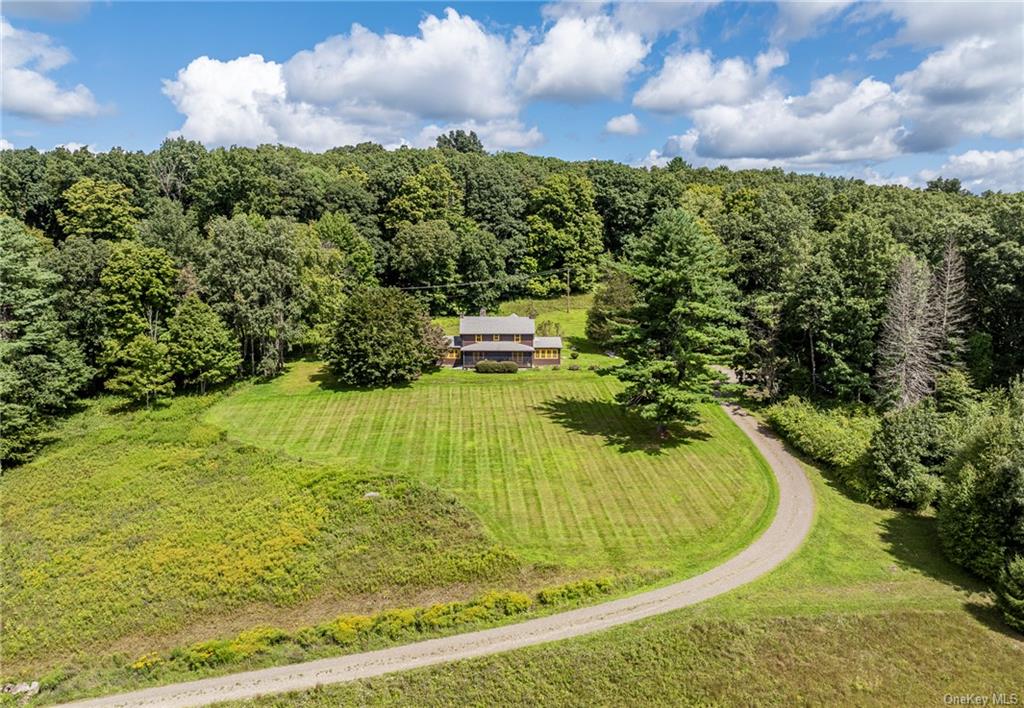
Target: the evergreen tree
(949, 306)
(41, 369)
(143, 373)
(201, 348)
(1010, 592)
(910, 346)
(684, 322)
(613, 299)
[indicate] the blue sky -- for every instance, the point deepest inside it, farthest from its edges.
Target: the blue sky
(895, 92)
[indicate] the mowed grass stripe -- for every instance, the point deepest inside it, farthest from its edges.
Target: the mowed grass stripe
(551, 465)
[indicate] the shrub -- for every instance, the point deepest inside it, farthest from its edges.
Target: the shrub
(346, 628)
(439, 616)
(982, 502)
(504, 603)
(574, 367)
(838, 437)
(256, 641)
(556, 367)
(203, 654)
(904, 458)
(574, 354)
(496, 367)
(394, 623)
(575, 591)
(1010, 593)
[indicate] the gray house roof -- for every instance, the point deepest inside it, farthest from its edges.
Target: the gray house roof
(497, 347)
(547, 342)
(512, 324)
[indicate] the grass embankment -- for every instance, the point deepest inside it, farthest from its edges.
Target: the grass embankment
(554, 468)
(867, 612)
(146, 529)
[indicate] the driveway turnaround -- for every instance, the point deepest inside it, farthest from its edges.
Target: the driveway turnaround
(789, 528)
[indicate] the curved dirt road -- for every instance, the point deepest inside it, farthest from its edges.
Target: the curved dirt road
(787, 531)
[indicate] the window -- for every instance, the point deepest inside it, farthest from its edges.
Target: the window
(547, 353)
(517, 357)
(496, 337)
(479, 337)
(517, 338)
(452, 354)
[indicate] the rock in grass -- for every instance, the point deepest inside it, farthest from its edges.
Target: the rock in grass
(371, 495)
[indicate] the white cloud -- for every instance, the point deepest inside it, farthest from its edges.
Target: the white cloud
(980, 170)
(6, 144)
(26, 90)
(939, 23)
(693, 79)
(500, 134)
(652, 19)
(623, 125)
(582, 58)
(243, 101)
(835, 122)
(796, 20)
(975, 87)
(453, 70)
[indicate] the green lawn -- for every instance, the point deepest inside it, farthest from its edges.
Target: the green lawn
(868, 612)
(551, 465)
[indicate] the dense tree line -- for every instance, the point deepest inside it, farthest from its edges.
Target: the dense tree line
(260, 248)
(185, 267)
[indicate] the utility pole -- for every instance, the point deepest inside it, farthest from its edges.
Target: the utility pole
(567, 298)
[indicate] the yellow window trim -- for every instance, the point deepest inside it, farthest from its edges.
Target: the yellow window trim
(479, 337)
(517, 338)
(496, 337)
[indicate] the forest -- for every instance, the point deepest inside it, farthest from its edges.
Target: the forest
(893, 317)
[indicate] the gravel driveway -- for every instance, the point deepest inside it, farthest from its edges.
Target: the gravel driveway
(790, 527)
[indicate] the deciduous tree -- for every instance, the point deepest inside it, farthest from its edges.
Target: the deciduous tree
(41, 369)
(201, 349)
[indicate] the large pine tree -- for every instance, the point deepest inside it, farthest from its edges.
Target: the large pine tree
(685, 320)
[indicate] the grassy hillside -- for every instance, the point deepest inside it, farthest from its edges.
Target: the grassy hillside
(553, 467)
(867, 612)
(147, 528)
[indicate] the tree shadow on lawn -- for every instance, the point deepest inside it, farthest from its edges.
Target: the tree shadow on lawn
(620, 428)
(329, 382)
(913, 540)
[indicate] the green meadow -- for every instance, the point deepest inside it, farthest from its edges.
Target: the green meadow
(868, 612)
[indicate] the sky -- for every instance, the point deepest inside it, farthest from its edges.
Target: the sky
(886, 92)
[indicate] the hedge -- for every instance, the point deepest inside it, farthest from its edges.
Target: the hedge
(486, 366)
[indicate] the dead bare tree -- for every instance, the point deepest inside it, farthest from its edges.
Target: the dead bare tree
(909, 352)
(949, 305)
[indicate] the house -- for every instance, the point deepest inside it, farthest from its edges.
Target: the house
(508, 338)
